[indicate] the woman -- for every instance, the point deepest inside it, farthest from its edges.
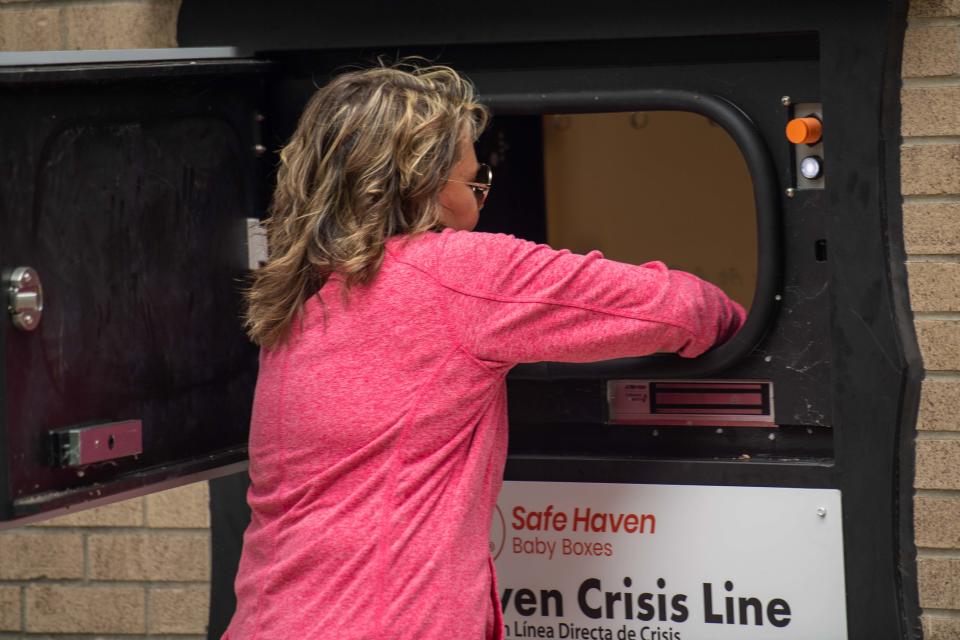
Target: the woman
(379, 429)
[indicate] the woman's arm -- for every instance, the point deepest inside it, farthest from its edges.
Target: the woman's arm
(512, 301)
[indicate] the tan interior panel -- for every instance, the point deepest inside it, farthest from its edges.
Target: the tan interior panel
(656, 185)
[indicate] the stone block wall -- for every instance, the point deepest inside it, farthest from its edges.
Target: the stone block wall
(27, 25)
(931, 214)
(139, 567)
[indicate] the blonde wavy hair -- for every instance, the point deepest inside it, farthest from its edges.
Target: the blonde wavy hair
(371, 152)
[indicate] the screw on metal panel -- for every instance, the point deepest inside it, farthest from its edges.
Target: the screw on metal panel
(778, 297)
(790, 192)
(768, 359)
(719, 430)
(639, 120)
(786, 101)
(259, 149)
(821, 512)
(772, 436)
(259, 117)
(561, 122)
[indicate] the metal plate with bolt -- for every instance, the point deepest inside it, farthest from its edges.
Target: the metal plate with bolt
(24, 298)
(79, 446)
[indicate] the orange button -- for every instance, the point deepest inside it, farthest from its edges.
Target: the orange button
(804, 130)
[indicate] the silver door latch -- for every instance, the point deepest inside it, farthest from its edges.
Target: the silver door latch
(24, 298)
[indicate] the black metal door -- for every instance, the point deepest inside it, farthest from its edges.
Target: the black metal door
(127, 188)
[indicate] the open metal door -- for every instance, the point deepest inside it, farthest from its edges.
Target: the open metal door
(129, 178)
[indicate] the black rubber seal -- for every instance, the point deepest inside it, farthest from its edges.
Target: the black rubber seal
(766, 198)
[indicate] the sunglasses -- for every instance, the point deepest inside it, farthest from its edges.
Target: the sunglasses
(480, 185)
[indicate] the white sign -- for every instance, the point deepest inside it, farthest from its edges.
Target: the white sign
(666, 562)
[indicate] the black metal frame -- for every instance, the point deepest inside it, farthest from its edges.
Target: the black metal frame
(871, 378)
(769, 228)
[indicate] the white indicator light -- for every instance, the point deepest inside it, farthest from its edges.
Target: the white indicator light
(811, 167)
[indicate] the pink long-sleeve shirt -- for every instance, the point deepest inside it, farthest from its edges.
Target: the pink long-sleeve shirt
(379, 431)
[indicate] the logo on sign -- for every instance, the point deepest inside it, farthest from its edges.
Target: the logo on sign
(603, 561)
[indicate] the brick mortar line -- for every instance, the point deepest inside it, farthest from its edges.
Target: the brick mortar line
(78, 582)
(86, 557)
(939, 314)
(915, 142)
(50, 529)
(944, 316)
(55, 4)
(46, 531)
(920, 198)
(62, 28)
(144, 511)
(946, 614)
(943, 375)
(936, 493)
(146, 610)
(23, 608)
(938, 434)
(935, 258)
(930, 82)
(145, 518)
(938, 430)
(933, 21)
(929, 552)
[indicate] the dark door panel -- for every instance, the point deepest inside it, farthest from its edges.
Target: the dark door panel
(128, 189)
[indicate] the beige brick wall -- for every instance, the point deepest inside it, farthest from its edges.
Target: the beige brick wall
(931, 217)
(139, 568)
(26, 25)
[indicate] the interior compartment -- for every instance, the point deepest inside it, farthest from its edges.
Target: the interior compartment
(655, 185)
(638, 186)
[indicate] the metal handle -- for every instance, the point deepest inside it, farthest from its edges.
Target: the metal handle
(24, 298)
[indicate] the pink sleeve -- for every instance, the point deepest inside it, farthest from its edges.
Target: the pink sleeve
(512, 301)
